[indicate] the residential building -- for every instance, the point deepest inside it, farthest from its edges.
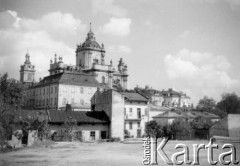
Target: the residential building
(175, 99)
(127, 111)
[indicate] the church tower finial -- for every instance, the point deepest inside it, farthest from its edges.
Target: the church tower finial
(90, 27)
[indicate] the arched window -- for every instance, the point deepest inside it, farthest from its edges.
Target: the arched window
(103, 79)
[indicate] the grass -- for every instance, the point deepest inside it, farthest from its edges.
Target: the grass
(95, 154)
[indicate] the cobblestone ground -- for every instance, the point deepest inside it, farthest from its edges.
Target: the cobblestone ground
(95, 154)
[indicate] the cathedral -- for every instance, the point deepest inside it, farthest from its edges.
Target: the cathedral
(74, 84)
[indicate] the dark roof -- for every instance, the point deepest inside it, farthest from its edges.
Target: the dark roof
(134, 96)
(21, 114)
(72, 78)
(87, 117)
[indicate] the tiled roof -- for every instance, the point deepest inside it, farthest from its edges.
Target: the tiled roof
(158, 108)
(87, 117)
(134, 96)
(72, 78)
(185, 114)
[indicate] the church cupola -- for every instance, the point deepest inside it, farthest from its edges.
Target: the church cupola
(90, 52)
(27, 71)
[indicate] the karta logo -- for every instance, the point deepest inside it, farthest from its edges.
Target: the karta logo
(152, 151)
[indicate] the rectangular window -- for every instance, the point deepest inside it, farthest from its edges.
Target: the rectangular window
(72, 101)
(64, 88)
(130, 125)
(81, 101)
(51, 101)
(73, 89)
(138, 124)
(139, 113)
(81, 90)
(130, 111)
(51, 89)
(146, 111)
(92, 135)
(55, 101)
(124, 111)
(64, 101)
(89, 90)
(44, 91)
(55, 89)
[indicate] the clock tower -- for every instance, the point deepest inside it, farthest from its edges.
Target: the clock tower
(27, 71)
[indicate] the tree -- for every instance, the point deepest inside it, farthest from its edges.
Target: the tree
(206, 104)
(153, 129)
(181, 126)
(230, 103)
(11, 100)
(201, 123)
(38, 124)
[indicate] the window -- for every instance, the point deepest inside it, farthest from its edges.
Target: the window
(139, 112)
(81, 90)
(95, 61)
(73, 89)
(44, 91)
(72, 101)
(92, 135)
(81, 101)
(130, 111)
(51, 89)
(103, 79)
(40, 90)
(124, 111)
(64, 101)
(130, 125)
(146, 111)
(64, 88)
(43, 102)
(89, 90)
(55, 101)
(138, 124)
(51, 101)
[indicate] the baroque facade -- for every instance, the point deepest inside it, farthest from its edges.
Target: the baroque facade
(74, 84)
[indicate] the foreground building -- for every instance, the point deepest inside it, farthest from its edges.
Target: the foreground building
(74, 84)
(127, 111)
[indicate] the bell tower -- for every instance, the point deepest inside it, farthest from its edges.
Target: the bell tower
(27, 71)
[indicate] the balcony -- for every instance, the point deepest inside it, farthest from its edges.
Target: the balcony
(132, 118)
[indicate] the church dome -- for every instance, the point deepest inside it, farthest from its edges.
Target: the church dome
(90, 43)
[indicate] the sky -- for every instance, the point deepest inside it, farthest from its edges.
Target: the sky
(191, 46)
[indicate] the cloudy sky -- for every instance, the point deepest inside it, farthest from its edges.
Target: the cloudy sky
(187, 45)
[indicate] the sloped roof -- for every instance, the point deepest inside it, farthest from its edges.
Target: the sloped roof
(72, 78)
(176, 113)
(87, 117)
(159, 108)
(134, 96)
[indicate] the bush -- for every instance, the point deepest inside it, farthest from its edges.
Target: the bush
(114, 139)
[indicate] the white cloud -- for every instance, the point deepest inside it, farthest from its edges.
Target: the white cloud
(202, 73)
(43, 37)
(117, 27)
(107, 6)
(119, 49)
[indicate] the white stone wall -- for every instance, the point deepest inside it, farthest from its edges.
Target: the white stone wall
(135, 119)
(72, 94)
(86, 58)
